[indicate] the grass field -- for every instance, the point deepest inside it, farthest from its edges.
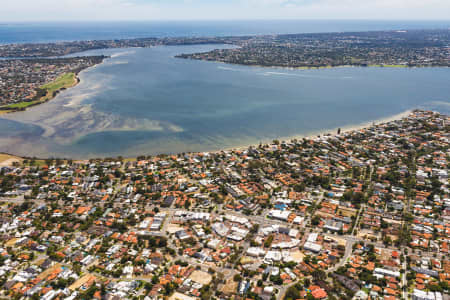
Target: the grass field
(201, 277)
(4, 157)
(346, 212)
(21, 105)
(64, 81)
(8, 160)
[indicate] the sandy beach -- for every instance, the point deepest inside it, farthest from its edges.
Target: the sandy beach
(333, 131)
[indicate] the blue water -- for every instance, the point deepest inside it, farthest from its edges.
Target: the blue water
(72, 31)
(145, 101)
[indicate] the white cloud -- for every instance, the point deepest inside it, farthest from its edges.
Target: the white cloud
(74, 10)
(20, 10)
(353, 9)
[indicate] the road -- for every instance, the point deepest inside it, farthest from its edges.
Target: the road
(262, 220)
(404, 281)
(358, 217)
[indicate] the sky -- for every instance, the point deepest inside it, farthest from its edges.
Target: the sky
(100, 10)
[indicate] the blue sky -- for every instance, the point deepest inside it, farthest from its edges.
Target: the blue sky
(91, 10)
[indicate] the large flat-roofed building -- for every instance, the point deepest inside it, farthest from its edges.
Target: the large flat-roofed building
(386, 272)
(313, 247)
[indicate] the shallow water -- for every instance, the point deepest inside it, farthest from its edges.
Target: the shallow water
(145, 101)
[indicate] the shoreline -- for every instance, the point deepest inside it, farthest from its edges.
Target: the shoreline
(44, 99)
(310, 136)
(312, 67)
(50, 95)
(4, 110)
(229, 143)
(328, 132)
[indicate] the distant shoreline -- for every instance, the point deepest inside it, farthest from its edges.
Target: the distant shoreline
(312, 67)
(310, 136)
(59, 142)
(46, 98)
(342, 66)
(42, 100)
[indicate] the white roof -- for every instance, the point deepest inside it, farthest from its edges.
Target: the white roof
(312, 247)
(386, 272)
(312, 237)
(283, 215)
(255, 251)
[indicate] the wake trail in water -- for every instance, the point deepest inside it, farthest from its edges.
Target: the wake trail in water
(302, 75)
(228, 69)
(122, 54)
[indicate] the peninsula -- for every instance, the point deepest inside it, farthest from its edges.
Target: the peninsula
(427, 48)
(29, 82)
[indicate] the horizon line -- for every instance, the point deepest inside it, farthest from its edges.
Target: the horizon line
(225, 20)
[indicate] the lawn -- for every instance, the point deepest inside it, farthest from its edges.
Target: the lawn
(63, 81)
(8, 160)
(346, 212)
(21, 105)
